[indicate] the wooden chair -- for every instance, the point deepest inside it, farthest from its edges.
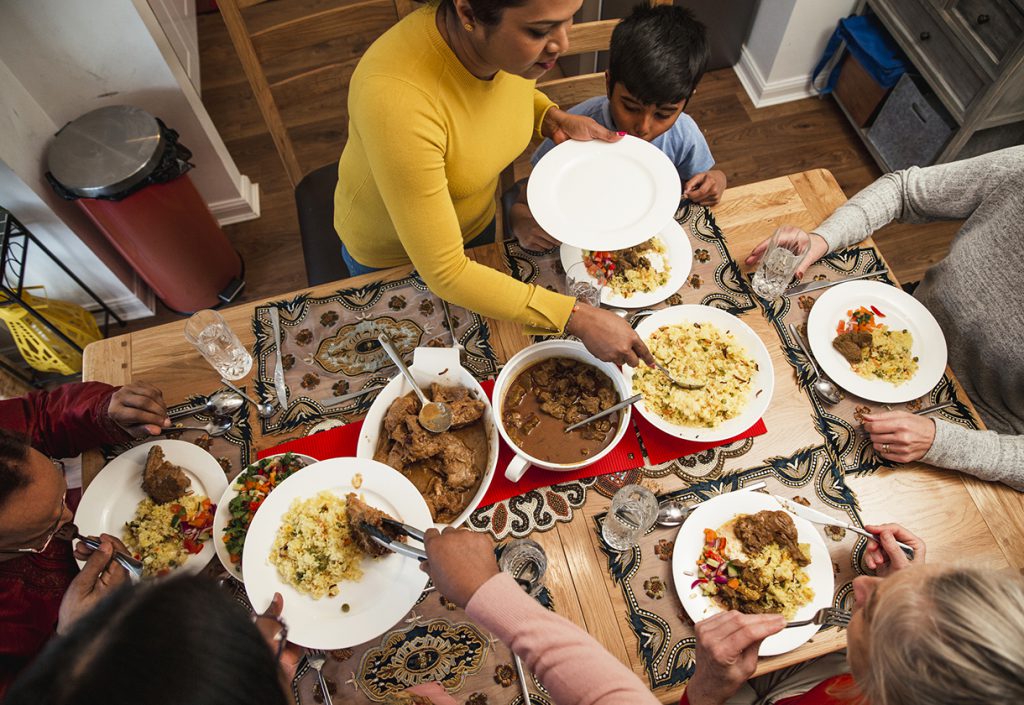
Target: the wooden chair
(298, 67)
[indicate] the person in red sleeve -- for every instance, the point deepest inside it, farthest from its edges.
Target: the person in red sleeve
(920, 635)
(37, 569)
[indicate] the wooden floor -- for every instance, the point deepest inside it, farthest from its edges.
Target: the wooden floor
(749, 145)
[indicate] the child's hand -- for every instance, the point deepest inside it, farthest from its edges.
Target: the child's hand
(526, 229)
(705, 188)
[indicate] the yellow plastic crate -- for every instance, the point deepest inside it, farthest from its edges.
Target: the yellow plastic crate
(41, 347)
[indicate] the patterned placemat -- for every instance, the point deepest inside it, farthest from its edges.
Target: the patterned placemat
(655, 614)
(715, 279)
(329, 345)
(232, 450)
(839, 425)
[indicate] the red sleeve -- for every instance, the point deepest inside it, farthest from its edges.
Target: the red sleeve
(66, 421)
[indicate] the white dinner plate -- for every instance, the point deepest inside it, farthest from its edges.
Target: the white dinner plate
(715, 512)
(604, 195)
(223, 515)
(390, 585)
(112, 498)
(678, 256)
(762, 386)
(901, 311)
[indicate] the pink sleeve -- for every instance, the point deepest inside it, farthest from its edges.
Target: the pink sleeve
(575, 669)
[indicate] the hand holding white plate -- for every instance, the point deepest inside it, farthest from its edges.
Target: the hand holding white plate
(604, 195)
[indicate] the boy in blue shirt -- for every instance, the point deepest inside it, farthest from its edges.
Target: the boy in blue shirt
(656, 58)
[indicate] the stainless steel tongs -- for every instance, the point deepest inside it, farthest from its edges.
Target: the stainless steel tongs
(398, 547)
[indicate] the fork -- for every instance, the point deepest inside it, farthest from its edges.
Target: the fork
(69, 532)
(316, 660)
(827, 616)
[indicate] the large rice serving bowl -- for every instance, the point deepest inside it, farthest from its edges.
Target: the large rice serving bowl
(440, 365)
(389, 586)
(719, 510)
(749, 401)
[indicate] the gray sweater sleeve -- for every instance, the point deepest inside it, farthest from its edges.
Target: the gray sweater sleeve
(943, 192)
(985, 454)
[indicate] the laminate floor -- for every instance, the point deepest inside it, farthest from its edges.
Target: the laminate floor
(749, 144)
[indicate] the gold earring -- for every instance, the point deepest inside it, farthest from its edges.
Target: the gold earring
(468, 26)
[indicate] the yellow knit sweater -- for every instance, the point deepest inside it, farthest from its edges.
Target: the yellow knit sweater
(426, 143)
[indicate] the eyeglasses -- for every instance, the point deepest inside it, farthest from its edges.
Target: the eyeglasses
(52, 531)
(279, 635)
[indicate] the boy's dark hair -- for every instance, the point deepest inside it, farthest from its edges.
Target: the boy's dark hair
(167, 642)
(659, 53)
(13, 453)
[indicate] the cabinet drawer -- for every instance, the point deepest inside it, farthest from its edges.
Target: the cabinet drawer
(933, 50)
(996, 26)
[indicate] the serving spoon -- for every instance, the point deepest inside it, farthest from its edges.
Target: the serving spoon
(435, 416)
(822, 385)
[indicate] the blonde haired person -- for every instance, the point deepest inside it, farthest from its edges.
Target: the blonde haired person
(920, 635)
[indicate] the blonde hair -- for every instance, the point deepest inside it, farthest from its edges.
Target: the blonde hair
(957, 638)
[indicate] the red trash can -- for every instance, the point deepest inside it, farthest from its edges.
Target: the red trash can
(126, 170)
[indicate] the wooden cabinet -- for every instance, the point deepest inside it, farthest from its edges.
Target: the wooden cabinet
(971, 54)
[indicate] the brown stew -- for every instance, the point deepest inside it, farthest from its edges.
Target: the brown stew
(446, 468)
(555, 393)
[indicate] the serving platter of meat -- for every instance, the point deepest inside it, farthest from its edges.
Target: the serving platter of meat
(452, 470)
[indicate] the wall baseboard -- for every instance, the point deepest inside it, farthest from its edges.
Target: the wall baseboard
(761, 92)
(238, 210)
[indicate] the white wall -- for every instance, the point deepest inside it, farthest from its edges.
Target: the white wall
(786, 40)
(62, 58)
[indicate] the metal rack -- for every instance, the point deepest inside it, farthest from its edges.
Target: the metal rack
(15, 240)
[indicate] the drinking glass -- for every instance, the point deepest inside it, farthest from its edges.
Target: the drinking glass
(212, 337)
(580, 284)
(633, 511)
(778, 264)
(525, 560)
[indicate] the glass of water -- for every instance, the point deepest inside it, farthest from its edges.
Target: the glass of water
(580, 284)
(526, 561)
(778, 264)
(633, 511)
(208, 331)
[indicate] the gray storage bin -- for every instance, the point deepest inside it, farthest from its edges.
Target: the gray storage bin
(911, 128)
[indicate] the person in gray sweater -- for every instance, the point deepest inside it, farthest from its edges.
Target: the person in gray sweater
(976, 294)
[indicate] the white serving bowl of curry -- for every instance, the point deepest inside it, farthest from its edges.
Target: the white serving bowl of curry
(545, 388)
(452, 470)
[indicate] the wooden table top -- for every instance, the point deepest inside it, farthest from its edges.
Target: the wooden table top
(955, 514)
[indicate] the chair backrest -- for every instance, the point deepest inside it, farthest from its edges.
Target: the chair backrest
(299, 65)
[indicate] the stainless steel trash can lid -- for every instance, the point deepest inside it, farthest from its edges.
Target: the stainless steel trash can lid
(106, 151)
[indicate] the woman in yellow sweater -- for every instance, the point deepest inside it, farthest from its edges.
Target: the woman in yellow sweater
(438, 106)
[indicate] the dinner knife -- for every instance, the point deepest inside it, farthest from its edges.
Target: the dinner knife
(282, 390)
(814, 286)
(816, 517)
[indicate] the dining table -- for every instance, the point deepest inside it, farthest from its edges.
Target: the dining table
(958, 516)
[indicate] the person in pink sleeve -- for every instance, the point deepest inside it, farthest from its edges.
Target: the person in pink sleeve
(36, 571)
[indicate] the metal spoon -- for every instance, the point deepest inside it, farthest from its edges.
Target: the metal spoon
(822, 385)
(672, 512)
(218, 427)
(435, 416)
(220, 403)
(607, 412)
(264, 409)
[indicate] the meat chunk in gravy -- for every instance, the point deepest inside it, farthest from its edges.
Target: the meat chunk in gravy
(756, 531)
(359, 512)
(445, 467)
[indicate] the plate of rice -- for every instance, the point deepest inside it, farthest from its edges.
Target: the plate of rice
(300, 544)
(905, 351)
(659, 267)
(169, 537)
(794, 590)
(708, 346)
